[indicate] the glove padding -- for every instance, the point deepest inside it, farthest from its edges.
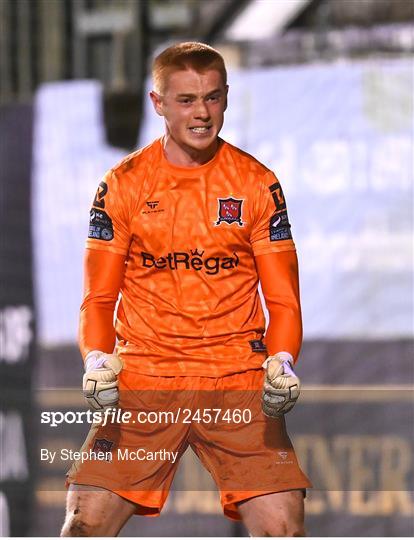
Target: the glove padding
(100, 382)
(281, 386)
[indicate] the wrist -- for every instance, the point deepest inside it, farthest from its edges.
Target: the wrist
(283, 356)
(94, 360)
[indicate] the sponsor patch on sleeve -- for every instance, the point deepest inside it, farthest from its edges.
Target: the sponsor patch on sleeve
(279, 227)
(100, 225)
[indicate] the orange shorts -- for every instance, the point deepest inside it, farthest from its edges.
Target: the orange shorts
(136, 456)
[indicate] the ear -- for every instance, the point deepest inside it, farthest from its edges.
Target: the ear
(225, 97)
(157, 102)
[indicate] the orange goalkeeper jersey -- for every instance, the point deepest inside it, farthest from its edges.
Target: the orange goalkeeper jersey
(189, 297)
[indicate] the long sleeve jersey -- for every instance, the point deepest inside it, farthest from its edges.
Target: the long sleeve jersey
(184, 248)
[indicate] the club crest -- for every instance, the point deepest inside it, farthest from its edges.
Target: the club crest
(230, 211)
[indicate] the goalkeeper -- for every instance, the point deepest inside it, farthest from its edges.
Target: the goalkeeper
(183, 230)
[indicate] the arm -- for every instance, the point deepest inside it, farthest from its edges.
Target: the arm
(103, 275)
(104, 272)
(108, 244)
(278, 275)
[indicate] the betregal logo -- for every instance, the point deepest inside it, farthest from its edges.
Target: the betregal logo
(190, 261)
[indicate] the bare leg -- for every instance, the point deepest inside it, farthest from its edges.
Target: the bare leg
(275, 514)
(92, 511)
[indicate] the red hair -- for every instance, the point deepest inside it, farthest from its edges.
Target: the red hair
(189, 55)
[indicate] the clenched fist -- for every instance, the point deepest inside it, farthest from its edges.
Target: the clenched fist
(281, 387)
(100, 382)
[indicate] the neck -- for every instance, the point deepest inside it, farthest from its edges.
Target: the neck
(186, 156)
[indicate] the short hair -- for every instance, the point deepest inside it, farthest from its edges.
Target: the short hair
(188, 55)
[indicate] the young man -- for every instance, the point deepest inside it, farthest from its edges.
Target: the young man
(184, 229)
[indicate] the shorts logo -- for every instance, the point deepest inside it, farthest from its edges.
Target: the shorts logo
(283, 461)
(102, 445)
(152, 204)
(230, 211)
(100, 225)
(279, 227)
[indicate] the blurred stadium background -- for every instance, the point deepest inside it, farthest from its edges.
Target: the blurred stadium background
(322, 92)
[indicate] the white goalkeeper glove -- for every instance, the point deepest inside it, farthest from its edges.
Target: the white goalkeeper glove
(281, 386)
(100, 382)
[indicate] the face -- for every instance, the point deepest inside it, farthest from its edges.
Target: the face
(193, 106)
